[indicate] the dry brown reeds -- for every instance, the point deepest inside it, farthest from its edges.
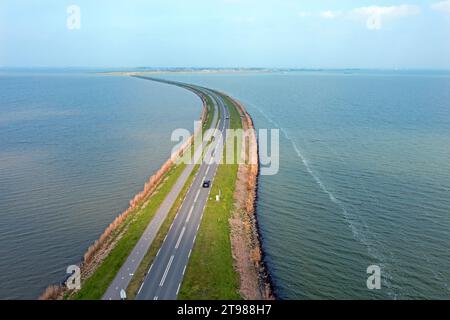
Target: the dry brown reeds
(246, 246)
(95, 254)
(52, 293)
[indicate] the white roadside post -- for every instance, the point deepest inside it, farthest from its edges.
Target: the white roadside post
(218, 196)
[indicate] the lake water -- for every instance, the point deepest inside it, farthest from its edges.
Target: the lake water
(364, 180)
(74, 149)
(364, 174)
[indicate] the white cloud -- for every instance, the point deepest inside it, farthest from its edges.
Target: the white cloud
(375, 15)
(330, 14)
(443, 6)
(396, 11)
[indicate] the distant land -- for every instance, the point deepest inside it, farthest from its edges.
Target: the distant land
(202, 70)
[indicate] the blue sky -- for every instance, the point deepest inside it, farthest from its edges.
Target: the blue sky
(227, 33)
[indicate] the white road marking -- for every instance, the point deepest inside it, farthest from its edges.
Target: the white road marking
(189, 215)
(179, 238)
(166, 271)
(196, 197)
(140, 288)
(221, 123)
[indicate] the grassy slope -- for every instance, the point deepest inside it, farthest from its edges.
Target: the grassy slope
(141, 272)
(210, 111)
(95, 286)
(210, 273)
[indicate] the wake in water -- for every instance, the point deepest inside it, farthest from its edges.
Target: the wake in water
(357, 225)
(359, 236)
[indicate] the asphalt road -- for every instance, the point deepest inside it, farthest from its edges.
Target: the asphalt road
(165, 276)
(195, 199)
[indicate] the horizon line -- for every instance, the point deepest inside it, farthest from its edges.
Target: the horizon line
(149, 68)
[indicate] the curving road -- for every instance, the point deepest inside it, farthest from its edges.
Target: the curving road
(166, 274)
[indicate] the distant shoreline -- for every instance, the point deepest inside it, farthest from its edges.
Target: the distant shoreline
(13, 71)
(200, 71)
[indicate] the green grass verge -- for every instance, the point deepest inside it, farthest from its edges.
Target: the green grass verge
(210, 273)
(141, 272)
(235, 118)
(95, 286)
(210, 115)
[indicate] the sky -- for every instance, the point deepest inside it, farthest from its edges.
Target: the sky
(390, 34)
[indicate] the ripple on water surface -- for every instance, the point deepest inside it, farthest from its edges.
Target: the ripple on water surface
(74, 149)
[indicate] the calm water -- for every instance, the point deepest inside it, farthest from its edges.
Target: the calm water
(73, 150)
(364, 179)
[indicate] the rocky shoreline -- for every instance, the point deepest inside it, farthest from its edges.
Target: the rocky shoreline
(247, 251)
(254, 280)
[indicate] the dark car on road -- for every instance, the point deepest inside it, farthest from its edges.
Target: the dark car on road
(206, 184)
